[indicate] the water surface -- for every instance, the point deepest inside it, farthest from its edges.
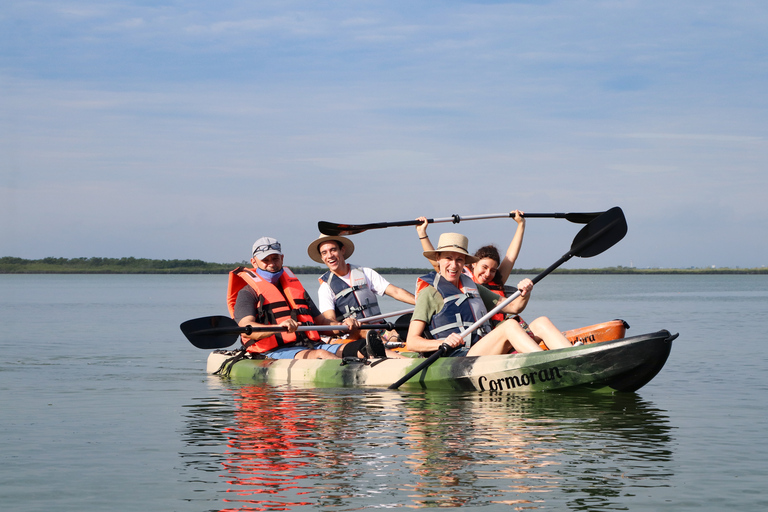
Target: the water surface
(105, 405)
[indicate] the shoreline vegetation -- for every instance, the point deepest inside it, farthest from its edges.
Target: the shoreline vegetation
(12, 265)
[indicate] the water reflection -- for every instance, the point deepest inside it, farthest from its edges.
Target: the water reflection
(291, 448)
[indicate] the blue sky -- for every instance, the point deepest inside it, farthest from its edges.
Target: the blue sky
(187, 129)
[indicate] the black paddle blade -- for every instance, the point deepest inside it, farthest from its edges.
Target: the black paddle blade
(575, 217)
(211, 332)
(600, 234)
(333, 229)
(582, 218)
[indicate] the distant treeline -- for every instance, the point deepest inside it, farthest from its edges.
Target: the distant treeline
(11, 265)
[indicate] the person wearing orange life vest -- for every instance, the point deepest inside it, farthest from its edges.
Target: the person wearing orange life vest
(270, 294)
(492, 272)
(448, 301)
(349, 290)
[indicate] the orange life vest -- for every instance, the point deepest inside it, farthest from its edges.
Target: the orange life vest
(278, 306)
(500, 317)
(495, 288)
(498, 290)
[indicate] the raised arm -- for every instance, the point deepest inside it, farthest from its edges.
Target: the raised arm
(426, 245)
(400, 294)
(508, 262)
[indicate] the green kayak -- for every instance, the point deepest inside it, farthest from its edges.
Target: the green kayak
(624, 364)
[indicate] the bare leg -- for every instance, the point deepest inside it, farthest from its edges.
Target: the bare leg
(546, 330)
(506, 336)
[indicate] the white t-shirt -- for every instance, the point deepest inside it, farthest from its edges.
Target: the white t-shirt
(376, 283)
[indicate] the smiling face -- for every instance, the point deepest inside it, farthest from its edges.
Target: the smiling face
(484, 270)
(332, 255)
(272, 263)
(451, 265)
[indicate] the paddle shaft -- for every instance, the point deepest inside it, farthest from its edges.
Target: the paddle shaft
(384, 315)
(427, 362)
(334, 229)
(248, 329)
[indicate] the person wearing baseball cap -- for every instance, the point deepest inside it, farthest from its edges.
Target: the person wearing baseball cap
(270, 294)
(349, 290)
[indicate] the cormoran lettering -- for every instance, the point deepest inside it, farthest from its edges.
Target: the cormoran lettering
(517, 381)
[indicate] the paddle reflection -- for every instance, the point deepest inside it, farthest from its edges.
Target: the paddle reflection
(290, 448)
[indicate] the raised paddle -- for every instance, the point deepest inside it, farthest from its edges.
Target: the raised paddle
(596, 237)
(333, 229)
(212, 332)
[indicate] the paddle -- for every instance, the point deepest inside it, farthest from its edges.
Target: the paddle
(333, 229)
(212, 332)
(597, 236)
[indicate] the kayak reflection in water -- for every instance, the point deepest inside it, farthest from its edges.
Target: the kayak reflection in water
(267, 449)
(448, 301)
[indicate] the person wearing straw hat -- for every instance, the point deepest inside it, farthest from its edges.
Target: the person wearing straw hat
(448, 301)
(350, 291)
(492, 272)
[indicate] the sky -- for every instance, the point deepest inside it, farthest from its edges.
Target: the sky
(188, 129)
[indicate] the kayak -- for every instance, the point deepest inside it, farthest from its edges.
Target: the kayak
(596, 364)
(624, 364)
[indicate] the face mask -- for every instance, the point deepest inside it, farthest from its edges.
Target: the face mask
(272, 277)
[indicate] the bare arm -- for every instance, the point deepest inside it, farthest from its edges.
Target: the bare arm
(329, 318)
(426, 245)
(400, 294)
(508, 263)
(518, 305)
(416, 342)
(289, 324)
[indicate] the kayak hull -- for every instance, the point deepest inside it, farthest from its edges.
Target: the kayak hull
(623, 365)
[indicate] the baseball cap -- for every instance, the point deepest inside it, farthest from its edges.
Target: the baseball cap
(265, 246)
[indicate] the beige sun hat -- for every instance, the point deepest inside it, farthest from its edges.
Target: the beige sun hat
(314, 248)
(451, 242)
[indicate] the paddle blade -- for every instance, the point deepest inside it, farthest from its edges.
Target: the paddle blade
(333, 229)
(582, 218)
(211, 332)
(575, 217)
(600, 234)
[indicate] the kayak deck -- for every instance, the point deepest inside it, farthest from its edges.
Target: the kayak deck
(624, 364)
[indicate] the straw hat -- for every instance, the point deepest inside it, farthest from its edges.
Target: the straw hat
(314, 248)
(453, 242)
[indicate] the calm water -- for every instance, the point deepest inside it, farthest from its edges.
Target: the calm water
(104, 405)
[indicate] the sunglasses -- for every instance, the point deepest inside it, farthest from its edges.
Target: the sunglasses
(266, 247)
